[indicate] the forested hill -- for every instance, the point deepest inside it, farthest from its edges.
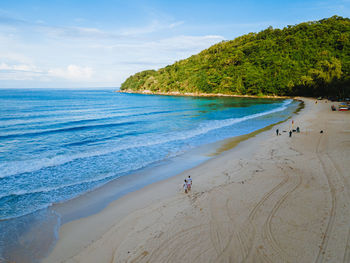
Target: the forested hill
(311, 58)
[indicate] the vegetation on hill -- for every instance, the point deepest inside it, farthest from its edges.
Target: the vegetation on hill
(309, 59)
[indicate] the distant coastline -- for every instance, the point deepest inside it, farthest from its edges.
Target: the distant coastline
(194, 94)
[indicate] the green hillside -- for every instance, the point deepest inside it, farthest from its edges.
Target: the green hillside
(311, 59)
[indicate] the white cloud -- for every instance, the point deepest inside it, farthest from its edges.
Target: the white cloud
(154, 26)
(31, 72)
(173, 44)
(176, 24)
(69, 32)
(75, 32)
(72, 72)
(20, 67)
(189, 42)
(93, 54)
(19, 72)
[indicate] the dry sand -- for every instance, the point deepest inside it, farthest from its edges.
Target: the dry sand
(270, 199)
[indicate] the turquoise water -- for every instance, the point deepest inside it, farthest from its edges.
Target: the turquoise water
(58, 144)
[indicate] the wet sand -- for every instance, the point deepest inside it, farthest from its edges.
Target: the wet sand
(269, 199)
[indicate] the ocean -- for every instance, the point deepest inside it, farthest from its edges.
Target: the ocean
(56, 145)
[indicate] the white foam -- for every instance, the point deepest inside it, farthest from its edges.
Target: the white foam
(49, 189)
(18, 167)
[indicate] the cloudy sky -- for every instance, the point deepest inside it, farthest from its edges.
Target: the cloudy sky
(84, 43)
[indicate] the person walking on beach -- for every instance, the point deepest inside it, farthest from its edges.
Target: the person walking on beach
(185, 186)
(290, 133)
(277, 132)
(189, 183)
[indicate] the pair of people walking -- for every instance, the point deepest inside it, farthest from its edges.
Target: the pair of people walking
(187, 184)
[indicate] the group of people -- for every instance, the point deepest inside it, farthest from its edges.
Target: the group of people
(187, 184)
(291, 131)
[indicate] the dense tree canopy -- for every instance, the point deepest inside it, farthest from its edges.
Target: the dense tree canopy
(311, 59)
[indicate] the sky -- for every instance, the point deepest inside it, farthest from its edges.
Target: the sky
(92, 44)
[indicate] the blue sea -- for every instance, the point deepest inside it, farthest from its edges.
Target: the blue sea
(58, 144)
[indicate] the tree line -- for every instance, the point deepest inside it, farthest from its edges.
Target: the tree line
(308, 59)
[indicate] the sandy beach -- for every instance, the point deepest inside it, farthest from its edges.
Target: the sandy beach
(269, 199)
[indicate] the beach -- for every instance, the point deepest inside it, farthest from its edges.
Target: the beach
(269, 199)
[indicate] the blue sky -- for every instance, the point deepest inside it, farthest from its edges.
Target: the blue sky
(75, 43)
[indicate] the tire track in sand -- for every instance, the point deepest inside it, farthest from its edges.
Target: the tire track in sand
(267, 232)
(239, 238)
(256, 208)
(347, 249)
(172, 248)
(346, 185)
(223, 235)
(295, 182)
(324, 243)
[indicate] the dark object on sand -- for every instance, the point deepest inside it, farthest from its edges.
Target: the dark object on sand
(284, 131)
(321, 131)
(333, 108)
(294, 130)
(290, 133)
(298, 130)
(277, 132)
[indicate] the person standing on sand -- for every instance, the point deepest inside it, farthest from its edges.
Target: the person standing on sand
(290, 133)
(277, 131)
(185, 186)
(189, 183)
(189, 179)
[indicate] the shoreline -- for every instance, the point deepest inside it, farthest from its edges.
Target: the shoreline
(276, 198)
(94, 201)
(129, 203)
(189, 160)
(189, 94)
